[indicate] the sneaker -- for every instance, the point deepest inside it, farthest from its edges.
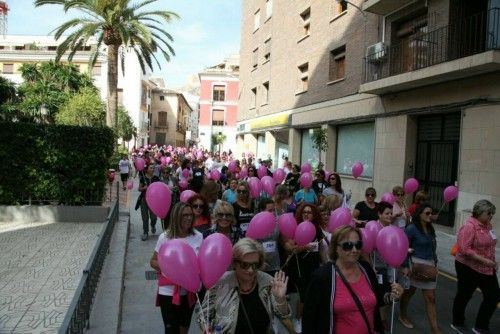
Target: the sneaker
(480, 331)
(461, 329)
(144, 237)
(153, 229)
(297, 325)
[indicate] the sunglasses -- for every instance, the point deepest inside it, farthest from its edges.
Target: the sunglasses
(349, 245)
(427, 213)
(240, 191)
(307, 212)
(400, 194)
(247, 265)
(224, 215)
(187, 215)
(197, 206)
(370, 195)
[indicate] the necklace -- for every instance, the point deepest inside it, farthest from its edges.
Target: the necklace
(247, 291)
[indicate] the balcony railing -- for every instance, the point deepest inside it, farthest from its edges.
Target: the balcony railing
(476, 34)
(162, 125)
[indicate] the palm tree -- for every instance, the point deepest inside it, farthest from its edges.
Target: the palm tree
(116, 23)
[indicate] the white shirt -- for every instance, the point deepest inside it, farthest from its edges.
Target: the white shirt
(193, 240)
(124, 166)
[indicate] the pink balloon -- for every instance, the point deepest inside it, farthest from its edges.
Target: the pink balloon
(255, 187)
(130, 184)
(304, 233)
(268, 184)
(215, 174)
(357, 169)
(243, 173)
(215, 246)
(306, 180)
(305, 168)
(261, 172)
(185, 173)
(373, 227)
(392, 244)
(232, 167)
(183, 183)
(179, 263)
(261, 225)
(388, 197)
(237, 176)
(368, 240)
(287, 224)
(159, 198)
(411, 185)
(450, 193)
(199, 155)
(139, 164)
(163, 161)
(327, 175)
(279, 175)
(186, 195)
(168, 160)
(339, 217)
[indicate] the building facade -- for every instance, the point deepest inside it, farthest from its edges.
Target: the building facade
(409, 88)
(219, 87)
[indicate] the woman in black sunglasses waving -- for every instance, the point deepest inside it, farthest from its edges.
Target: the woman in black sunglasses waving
(344, 295)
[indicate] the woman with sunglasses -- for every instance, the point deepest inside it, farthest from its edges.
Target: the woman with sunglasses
(175, 304)
(335, 188)
(246, 299)
(366, 210)
(476, 266)
(244, 209)
(148, 217)
(201, 212)
(292, 179)
(302, 261)
(400, 214)
(224, 222)
(422, 237)
(331, 306)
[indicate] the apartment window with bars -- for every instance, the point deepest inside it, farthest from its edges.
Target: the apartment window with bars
(306, 21)
(303, 77)
(256, 20)
(217, 117)
(267, 50)
(255, 58)
(162, 118)
(253, 97)
(219, 93)
(265, 93)
(337, 64)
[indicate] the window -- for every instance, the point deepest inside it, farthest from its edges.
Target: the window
(303, 78)
(162, 118)
(256, 20)
(218, 117)
(19, 47)
(162, 98)
(96, 70)
(255, 58)
(337, 64)
(52, 48)
(8, 68)
(265, 93)
(267, 50)
(306, 21)
(355, 142)
(339, 7)
(253, 97)
(269, 8)
(306, 153)
(219, 93)
(160, 138)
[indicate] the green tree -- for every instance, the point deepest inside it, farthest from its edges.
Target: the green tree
(47, 87)
(85, 108)
(125, 129)
(320, 141)
(218, 139)
(8, 101)
(116, 23)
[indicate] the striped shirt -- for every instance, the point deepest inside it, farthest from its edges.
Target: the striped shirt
(476, 238)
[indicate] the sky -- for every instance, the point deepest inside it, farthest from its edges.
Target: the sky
(208, 31)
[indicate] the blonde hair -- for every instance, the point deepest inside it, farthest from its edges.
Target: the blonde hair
(223, 207)
(331, 202)
(173, 229)
(248, 246)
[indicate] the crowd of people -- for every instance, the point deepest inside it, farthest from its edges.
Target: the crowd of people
(340, 288)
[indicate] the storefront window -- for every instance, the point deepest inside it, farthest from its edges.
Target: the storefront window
(355, 143)
(308, 153)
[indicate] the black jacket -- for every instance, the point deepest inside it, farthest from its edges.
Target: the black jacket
(318, 317)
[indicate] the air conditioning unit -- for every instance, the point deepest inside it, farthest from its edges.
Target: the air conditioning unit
(376, 53)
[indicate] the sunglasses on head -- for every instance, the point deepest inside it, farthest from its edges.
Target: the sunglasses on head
(247, 265)
(349, 245)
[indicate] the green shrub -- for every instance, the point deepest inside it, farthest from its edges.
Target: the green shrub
(56, 163)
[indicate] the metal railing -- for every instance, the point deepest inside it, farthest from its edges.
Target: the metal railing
(463, 38)
(77, 317)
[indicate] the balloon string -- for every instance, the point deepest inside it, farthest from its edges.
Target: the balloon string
(205, 325)
(441, 209)
(393, 300)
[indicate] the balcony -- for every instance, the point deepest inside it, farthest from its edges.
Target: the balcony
(160, 125)
(384, 7)
(466, 48)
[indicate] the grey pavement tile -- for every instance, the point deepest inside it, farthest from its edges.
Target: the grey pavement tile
(9, 321)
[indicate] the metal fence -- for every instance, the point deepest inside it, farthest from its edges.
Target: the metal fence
(476, 34)
(77, 317)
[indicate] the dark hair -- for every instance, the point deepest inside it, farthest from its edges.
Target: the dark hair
(321, 172)
(296, 167)
(416, 219)
(382, 206)
(205, 213)
(264, 201)
(316, 220)
(338, 184)
(370, 189)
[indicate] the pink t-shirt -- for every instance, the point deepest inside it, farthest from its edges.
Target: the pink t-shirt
(348, 318)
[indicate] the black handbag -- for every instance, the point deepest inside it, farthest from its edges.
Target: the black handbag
(139, 201)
